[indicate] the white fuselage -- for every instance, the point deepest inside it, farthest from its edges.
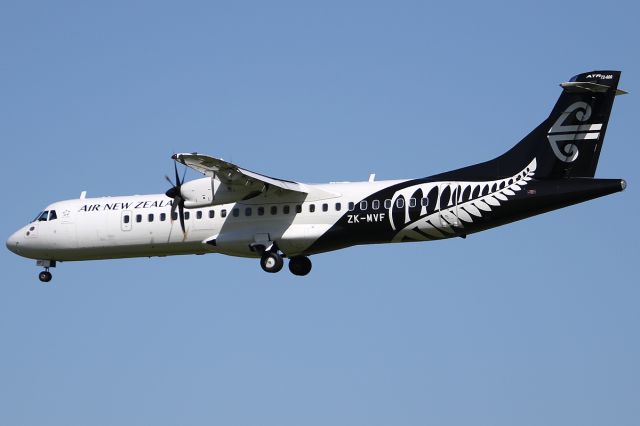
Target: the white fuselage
(141, 225)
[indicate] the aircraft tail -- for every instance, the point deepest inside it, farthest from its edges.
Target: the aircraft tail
(566, 144)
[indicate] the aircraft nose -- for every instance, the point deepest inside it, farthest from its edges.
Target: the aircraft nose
(13, 242)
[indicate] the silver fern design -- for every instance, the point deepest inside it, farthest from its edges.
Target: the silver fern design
(450, 205)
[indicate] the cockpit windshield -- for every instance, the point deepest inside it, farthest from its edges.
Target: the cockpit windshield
(45, 215)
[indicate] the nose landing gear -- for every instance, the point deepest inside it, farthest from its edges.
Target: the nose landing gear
(45, 276)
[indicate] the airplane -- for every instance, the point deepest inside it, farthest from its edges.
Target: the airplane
(237, 212)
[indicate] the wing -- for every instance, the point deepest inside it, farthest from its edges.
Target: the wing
(232, 175)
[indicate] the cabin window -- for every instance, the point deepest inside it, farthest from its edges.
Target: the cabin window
(325, 207)
(212, 214)
(260, 211)
(138, 218)
(163, 217)
(424, 202)
(199, 214)
(412, 202)
(312, 208)
(298, 208)
(43, 217)
(338, 207)
(399, 202)
(351, 206)
(363, 205)
(375, 204)
(247, 211)
(274, 209)
(174, 216)
(53, 215)
(286, 209)
(387, 203)
(125, 218)
(235, 212)
(187, 215)
(223, 213)
(150, 217)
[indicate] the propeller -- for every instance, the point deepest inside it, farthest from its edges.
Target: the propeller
(175, 194)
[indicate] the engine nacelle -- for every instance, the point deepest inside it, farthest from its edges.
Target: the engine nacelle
(207, 191)
(197, 193)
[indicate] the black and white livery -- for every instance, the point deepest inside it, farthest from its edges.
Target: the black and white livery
(238, 212)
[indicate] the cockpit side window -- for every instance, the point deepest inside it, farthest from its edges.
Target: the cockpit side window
(52, 215)
(43, 217)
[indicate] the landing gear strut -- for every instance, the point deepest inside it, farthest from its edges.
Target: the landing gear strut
(45, 276)
(271, 261)
(300, 265)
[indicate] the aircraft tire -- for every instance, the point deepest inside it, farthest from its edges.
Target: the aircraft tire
(45, 276)
(300, 265)
(271, 262)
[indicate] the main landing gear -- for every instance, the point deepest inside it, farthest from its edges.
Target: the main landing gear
(272, 262)
(45, 276)
(300, 265)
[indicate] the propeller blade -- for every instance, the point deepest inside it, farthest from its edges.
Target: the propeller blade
(181, 213)
(175, 169)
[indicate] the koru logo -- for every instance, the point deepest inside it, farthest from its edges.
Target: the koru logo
(560, 132)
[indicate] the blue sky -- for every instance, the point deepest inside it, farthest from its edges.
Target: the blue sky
(532, 323)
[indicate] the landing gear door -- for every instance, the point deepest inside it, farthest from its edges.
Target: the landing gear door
(448, 204)
(125, 220)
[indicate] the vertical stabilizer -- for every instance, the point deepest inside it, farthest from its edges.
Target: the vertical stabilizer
(566, 144)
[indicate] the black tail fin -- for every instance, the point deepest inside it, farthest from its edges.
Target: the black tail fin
(568, 142)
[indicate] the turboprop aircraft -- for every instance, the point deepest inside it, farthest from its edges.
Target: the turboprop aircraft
(238, 212)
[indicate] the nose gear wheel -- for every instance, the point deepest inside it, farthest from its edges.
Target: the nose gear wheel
(45, 276)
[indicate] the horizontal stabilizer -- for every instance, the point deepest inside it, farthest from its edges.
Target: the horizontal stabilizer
(587, 86)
